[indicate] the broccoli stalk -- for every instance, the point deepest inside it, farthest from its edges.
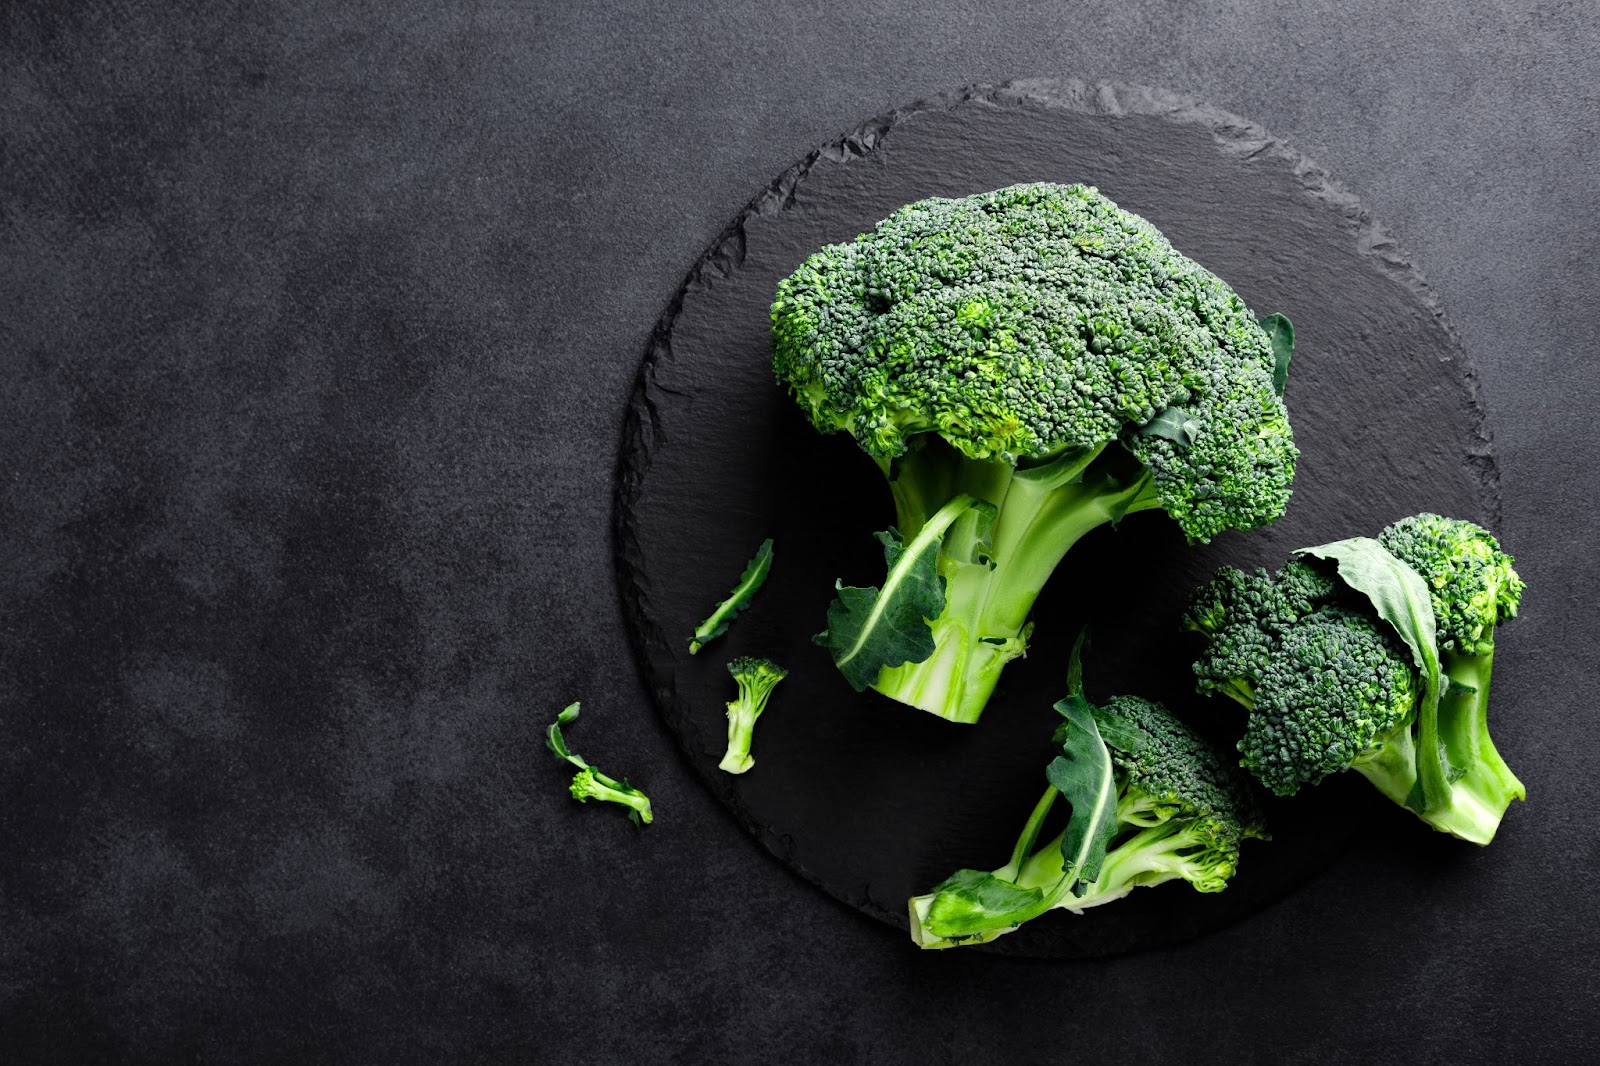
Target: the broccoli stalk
(1041, 512)
(756, 678)
(1151, 802)
(1050, 356)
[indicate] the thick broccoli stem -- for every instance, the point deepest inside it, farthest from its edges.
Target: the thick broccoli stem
(1392, 766)
(1152, 856)
(1042, 512)
(1479, 798)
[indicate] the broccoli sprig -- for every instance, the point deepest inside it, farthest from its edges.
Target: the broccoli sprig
(1151, 802)
(750, 581)
(1378, 663)
(1042, 352)
(589, 783)
(756, 678)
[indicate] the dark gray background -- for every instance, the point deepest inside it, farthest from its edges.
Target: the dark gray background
(319, 325)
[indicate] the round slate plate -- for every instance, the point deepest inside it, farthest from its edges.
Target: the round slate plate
(873, 801)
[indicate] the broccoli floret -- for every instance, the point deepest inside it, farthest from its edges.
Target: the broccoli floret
(1336, 693)
(1050, 355)
(757, 678)
(1152, 802)
(589, 783)
(1470, 580)
(1337, 672)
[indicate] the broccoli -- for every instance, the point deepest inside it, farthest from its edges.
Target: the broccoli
(757, 678)
(589, 783)
(755, 574)
(1041, 356)
(1151, 801)
(1380, 665)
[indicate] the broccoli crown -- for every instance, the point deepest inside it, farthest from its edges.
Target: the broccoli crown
(1170, 771)
(1035, 319)
(1245, 614)
(1337, 683)
(756, 677)
(1470, 580)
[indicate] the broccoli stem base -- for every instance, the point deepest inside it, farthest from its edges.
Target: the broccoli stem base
(1480, 796)
(1042, 511)
(741, 730)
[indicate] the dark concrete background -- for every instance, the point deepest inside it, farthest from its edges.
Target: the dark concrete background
(319, 324)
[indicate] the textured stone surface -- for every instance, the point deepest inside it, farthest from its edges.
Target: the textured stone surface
(320, 323)
(875, 802)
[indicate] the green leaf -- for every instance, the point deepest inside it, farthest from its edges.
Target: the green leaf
(1400, 596)
(558, 743)
(1280, 331)
(1174, 424)
(1083, 774)
(1118, 732)
(869, 628)
(755, 573)
(969, 902)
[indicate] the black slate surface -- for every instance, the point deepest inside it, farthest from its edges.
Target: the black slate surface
(319, 326)
(875, 802)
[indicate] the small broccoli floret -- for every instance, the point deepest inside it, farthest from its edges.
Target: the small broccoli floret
(1470, 580)
(1152, 802)
(1374, 665)
(757, 678)
(589, 783)
(1042, 351)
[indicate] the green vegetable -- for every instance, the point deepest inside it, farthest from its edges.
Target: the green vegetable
(1151, 802)
(756, 678)
(1379, 663)
(755, 573)
(1044, 352)
(589, 783)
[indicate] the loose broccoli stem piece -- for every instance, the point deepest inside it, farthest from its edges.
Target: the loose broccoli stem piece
(1041, 512)
(755, 574)
(589, 782)
(756, 678)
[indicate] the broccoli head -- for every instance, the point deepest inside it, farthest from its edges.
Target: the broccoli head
(1152, 801)
(1042, 351)
(1377, 660)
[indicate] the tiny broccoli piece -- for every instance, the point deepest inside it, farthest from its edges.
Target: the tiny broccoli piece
(1151, 801)
(589, 783)
(1379, 664)
(756, 678)
(755, 574)
(1042, 351)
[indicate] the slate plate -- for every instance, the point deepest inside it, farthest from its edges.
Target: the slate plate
(873, 801)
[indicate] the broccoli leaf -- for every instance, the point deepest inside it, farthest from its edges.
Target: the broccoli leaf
(1083, 774)
(558, 743)
(1175, 424)
(1281, 332)
(1400, 596)
(974, 901)
(870, 628)
(755, 573)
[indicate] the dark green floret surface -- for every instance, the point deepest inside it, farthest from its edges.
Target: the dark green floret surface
(1033, 320)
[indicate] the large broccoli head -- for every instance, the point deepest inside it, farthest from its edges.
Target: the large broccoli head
(1033, 320)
